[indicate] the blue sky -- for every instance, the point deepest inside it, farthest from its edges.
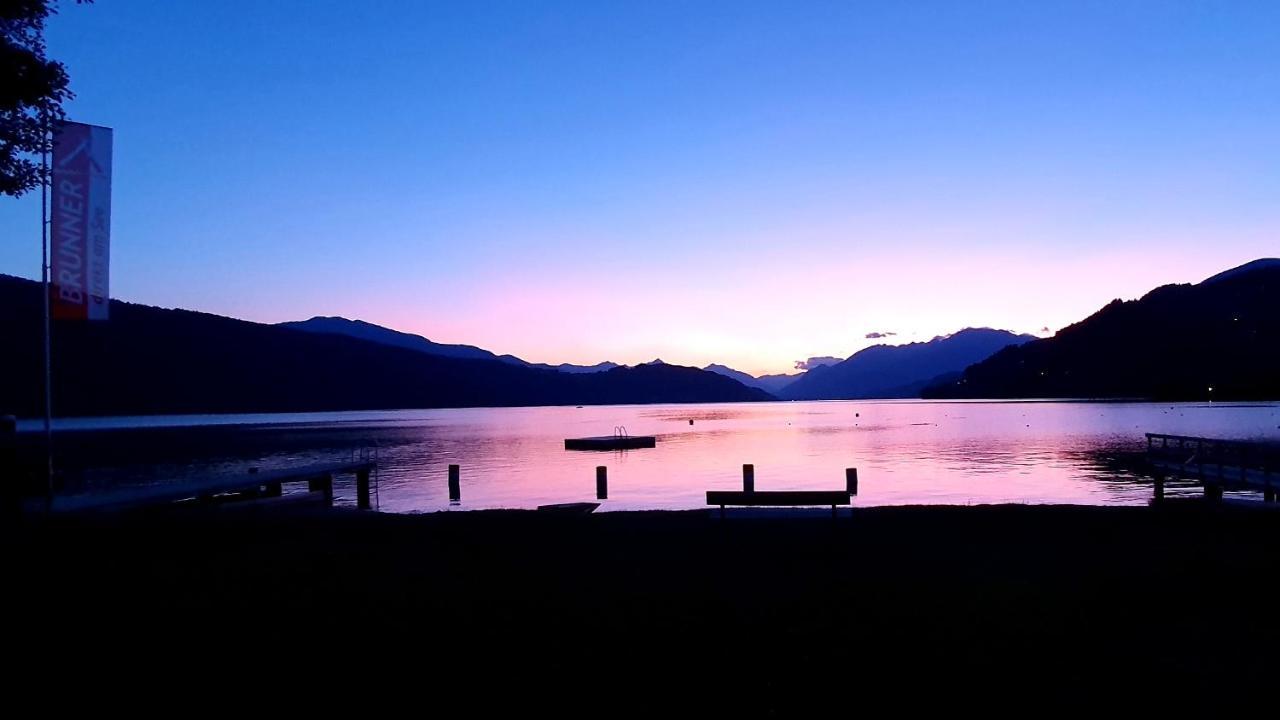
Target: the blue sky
(746, 183)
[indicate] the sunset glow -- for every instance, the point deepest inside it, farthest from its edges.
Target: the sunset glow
(749, 186)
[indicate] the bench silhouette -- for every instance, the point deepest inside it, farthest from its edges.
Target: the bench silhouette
(778, 498)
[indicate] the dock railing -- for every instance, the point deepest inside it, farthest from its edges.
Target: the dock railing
(1217, 463)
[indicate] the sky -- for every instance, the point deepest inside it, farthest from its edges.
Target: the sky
(741, 182)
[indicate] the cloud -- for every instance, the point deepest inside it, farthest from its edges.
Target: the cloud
(814, 362)
(878, 335)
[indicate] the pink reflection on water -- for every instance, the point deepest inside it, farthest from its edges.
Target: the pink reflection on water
(906, 452)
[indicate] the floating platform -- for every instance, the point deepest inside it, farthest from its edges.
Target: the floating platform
(611, 442)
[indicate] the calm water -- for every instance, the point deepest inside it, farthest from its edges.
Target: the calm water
(905, 451)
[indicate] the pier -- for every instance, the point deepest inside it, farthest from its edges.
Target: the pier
(1216, 464)
(251, 485)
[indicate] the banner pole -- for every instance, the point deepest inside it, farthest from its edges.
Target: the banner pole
(48, 361)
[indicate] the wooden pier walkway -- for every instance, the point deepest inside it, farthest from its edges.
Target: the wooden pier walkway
(1217, 464)
(266, 484)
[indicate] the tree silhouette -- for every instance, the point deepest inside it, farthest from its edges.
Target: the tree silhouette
(32, 90)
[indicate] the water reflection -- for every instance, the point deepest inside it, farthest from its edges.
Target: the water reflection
(906, 452)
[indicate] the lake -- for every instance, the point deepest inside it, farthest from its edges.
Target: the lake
(906, 452)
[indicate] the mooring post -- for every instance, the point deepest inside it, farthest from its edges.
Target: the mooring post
(1159, 488)
(748, 478)
(851, 480)
(362, 489)
(1212, 492)
(9, 488)
(602, 482)
(274, 489)
(324, 484)
(455, 487)
(1269, 495)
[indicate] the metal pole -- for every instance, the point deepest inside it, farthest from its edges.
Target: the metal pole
(45, 270)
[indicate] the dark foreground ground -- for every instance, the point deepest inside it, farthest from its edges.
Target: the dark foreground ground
(1039, 610)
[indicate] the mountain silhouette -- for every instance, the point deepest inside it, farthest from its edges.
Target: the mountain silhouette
(772, 384)
(1269, 264)
(148, 360)
(571, 368)
(1175, 343)
(885, 371)
(386, 336)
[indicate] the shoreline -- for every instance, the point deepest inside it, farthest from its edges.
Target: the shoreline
(1002, 604)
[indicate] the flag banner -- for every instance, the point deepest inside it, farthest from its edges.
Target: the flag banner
(80, 222)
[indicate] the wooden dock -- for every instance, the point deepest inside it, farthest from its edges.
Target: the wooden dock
(1216, 464)
(266, 484)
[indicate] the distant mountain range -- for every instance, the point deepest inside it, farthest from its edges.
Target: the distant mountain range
(386, 336)
(882, 371)
(772, 384)
(1218, 339)
(895, 371)
(148, 360)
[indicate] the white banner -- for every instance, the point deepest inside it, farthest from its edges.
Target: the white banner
(80, 244)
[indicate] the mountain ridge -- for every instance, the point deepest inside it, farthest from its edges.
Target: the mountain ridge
(886, 371)
(1217, 339)
(769, 383)
(148, 360)
(364, 330)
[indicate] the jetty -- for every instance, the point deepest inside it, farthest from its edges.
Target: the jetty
(250, 485)
(1215, 463)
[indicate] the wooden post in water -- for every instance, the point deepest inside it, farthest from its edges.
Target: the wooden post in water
(455, 485)
(1269, 495)
(10, 489)
(1213, 492)
(362, 489)
(1159, 488)
(851, 480)
(324, 484)
(602, 482)
(748, 478)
